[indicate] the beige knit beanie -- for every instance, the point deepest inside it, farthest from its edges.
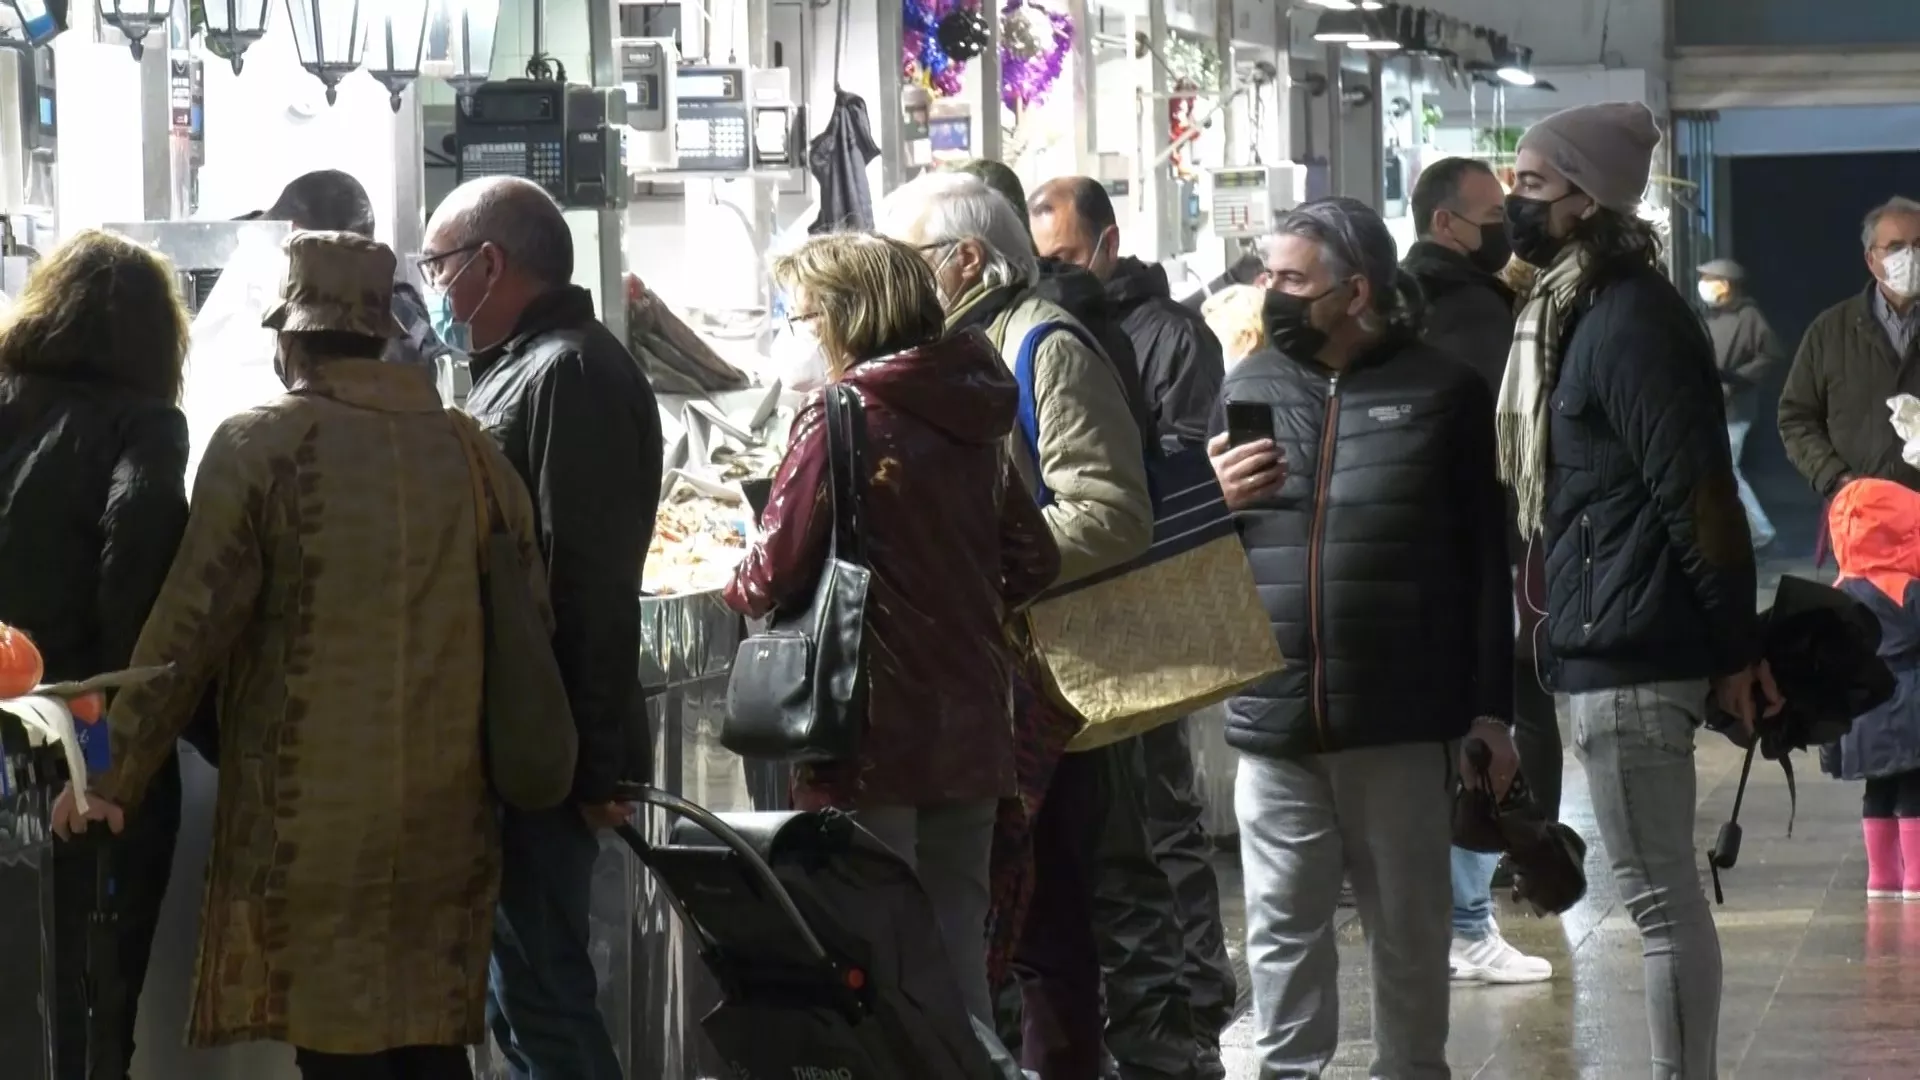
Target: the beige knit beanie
(1605, 150)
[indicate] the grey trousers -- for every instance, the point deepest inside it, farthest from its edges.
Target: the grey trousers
(948, 845)
(1636, 743)
(1381, 816)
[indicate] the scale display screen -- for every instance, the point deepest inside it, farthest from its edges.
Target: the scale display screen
(511, 108)
(707, 86)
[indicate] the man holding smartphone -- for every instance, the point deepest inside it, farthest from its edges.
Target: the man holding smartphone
(1361, 462)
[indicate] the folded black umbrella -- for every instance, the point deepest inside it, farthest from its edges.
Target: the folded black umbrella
(1823, 648)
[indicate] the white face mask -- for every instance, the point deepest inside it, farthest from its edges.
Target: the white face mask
(798, 362)
(1902, 273)
(1712, 293)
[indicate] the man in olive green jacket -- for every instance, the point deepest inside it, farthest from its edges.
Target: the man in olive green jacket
(1090, 461)
(1857, 354)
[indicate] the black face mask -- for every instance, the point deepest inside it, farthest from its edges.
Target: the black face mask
(1527, 223)
(1495, 251)
(1288, 320)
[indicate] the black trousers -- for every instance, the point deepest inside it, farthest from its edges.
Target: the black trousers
(142, 861)
(1183, 855)
(1892, 796)
(404, 1063)
(1150, 1028)
(1536, 735)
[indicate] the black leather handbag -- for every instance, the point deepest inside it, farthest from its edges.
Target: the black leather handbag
(798, 691)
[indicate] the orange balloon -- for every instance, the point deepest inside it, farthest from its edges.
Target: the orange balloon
(20, 663)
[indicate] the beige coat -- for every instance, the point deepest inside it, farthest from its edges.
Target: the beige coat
(1090, 454)
(328, 581)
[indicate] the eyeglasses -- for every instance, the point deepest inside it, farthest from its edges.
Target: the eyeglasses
(1896, 247)
(426, 261)
(795, 322)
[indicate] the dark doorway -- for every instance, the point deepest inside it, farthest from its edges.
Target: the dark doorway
(1796, 229)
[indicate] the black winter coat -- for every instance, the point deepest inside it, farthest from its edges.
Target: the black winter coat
(1079, 294)
(92, 506)
(571, 409)
(1650, 573)
(1885, 741)
(1469, 312)
(1180, 360)
(1382, 563)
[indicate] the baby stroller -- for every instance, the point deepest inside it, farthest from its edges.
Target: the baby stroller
(829, 961)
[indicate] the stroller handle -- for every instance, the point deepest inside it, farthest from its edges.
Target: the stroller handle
(721, 831)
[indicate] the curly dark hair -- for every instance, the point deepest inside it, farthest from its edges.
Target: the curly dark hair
(100, 308)
(1616, 243)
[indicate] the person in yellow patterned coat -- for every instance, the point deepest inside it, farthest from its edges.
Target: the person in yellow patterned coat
(329, 582)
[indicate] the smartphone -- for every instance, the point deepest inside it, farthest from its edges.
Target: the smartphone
(1249, 422)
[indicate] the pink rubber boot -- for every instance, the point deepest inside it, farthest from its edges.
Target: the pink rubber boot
(1887, 840)
(1910, 857)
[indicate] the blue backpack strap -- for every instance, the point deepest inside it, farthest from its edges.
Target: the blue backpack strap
(1029, 408)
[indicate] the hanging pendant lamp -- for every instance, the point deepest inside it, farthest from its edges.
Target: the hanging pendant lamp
(329, 35)
(396, 39)
(233, 26)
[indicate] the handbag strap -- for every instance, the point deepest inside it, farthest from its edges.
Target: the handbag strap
(1023, 362)
(847, 472)
(487, 516)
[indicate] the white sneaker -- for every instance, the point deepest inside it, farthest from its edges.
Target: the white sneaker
(1492, 960)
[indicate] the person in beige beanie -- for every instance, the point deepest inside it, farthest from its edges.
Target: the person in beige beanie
(1649, 568)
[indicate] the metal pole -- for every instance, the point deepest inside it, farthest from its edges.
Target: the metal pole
(1086, 131)
(1336, 133)
(891, 128)
(1377, 135)
(609, 225)
(1157, 190)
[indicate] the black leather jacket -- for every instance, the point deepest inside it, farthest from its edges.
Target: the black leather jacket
(1382, 563)
(574, 413)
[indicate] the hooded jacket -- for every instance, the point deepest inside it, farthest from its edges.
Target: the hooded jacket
(1180, 360)
(1076, 291)
(954, 545)
(1875, 526)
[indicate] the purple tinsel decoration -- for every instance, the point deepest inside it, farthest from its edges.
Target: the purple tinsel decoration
(921, 57)
(1025, 81)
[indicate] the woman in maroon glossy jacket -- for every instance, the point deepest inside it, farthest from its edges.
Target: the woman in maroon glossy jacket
(955, 545)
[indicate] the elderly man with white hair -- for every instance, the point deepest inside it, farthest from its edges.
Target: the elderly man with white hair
(575, 415)
(1086, 470)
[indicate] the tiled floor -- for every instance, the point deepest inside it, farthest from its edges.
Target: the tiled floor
(1820, 985)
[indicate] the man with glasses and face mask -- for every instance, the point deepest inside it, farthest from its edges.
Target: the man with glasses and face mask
(1089, 473)
(576, 417)
(1856, 355)
(1376, 530)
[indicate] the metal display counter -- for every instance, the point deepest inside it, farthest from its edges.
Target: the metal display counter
(653, 988)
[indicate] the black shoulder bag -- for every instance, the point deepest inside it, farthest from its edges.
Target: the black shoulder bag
(799, 689)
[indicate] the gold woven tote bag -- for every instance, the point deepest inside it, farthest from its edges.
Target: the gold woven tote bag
(1177, 629)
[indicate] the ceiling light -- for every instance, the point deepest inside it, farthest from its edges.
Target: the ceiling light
(1334, 5)
(1383, 32)
(233, 26)
(329, 36)
(1515, 66)
(1371, 5)
(1340, 28)
(135, 19)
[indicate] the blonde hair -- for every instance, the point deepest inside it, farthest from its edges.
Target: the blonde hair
(866, 296)
(1234, 315)
(100, 308)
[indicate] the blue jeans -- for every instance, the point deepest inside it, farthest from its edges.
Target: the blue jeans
(1757, 522)
(542, 997)
(1473, 894)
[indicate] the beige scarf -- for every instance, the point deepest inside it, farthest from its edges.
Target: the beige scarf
(1533, 366)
